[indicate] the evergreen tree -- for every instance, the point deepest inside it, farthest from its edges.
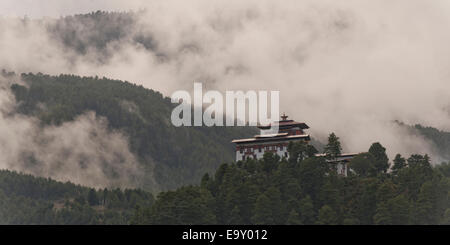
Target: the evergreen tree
(307, 214)
(381, 159)
(399, 163)
(297, 151)
(363, 164)
(425, 205)
(263, 211)
(311, 174)
(399, 208)
(276, 206)
(350, 221)
(446, 218)
(385, 191)
(269, 162)
(366, 200)
(382, 216)
(327, 216)
(294, 218)
(333, 148)
(205, 181)
(236, 218)
(92, 197)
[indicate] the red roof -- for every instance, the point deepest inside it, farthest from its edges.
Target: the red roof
(285, 124)
(277, 137)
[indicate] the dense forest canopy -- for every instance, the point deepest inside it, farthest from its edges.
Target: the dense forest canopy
(173, 156)
(191, 170)
(439, 138)
(303, 189)
(307, 190)
(25, 199)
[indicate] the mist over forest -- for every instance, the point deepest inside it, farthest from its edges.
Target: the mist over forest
(355, 65)
(85, 110)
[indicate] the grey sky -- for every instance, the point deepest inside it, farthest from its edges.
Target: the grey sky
(349, 67)
(55, 8)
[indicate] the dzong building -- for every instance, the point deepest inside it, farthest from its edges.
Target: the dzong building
(277, 143)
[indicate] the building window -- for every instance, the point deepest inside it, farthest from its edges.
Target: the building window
(259, 149)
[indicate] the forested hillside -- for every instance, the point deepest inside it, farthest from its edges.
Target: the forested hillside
(306, 190)
(95, 31)
(439, 138)
(100, 32)
(302, 190)
(173, 156)
(25, 199)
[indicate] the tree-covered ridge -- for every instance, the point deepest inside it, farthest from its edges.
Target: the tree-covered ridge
(25, 199)
(100, 32)
(174, 156)
(95, 31)
(301, 190)
(440, 139)
(306, 190)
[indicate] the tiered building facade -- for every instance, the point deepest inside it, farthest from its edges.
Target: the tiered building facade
(288, 131)
(277, 143)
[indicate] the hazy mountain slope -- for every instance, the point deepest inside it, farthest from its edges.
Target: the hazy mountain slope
(440, 139)
(98, 35)
(170, 156)
(272, 191)
(267, 191)
(25, 199)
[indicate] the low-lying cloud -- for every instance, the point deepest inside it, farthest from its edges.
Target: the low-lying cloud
(350, 67)
(83, 151)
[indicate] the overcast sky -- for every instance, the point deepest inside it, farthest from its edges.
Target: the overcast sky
(55, 8)
(349, 67)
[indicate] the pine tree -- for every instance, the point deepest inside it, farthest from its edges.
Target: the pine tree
(399, 208)
(276, 206)
(307, 214)
(236, 218)
(425, 205)
(297, 151)
(263, 211)
(382, 216)
(327, 216)
(381, 159)
(92, 197)
(311, 175)
(446, 218)
(363, 164)
(350, 221)
(294, 218)
(205, 182)
(333, 148)
(365, 207)
(399, 163)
